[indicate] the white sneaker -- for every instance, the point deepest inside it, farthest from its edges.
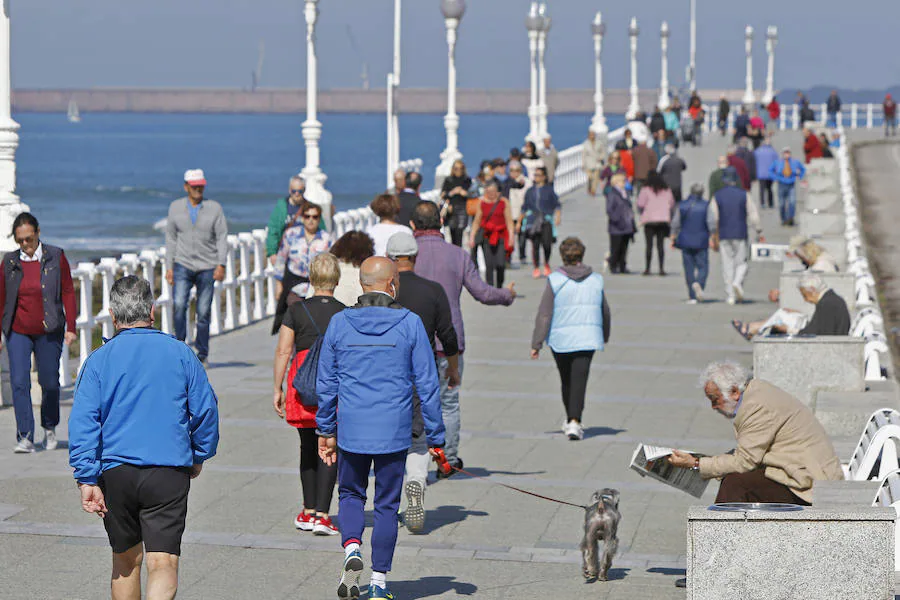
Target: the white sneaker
(738, 292)
(691, 301)
(50, 441)
(730, 300)
(698, 290)
(25, 446)
(575, 431)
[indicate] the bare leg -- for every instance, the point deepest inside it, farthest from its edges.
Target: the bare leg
(162, 576)
(126, 574)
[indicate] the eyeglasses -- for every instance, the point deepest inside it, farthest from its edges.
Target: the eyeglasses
(29, 240)
(310, 216)
(296, 192)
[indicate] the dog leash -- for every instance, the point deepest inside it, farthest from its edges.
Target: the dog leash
(445, 467)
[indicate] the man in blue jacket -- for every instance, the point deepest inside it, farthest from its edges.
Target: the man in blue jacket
(765, 157)
(787, 172)
(372, 357)
(143, 422)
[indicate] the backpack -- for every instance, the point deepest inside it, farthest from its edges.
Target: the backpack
(305, 379)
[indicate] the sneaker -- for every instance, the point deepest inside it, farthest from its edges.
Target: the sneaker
(730, 300)
(25, 446)
(414, 517)
(305, 522)
(698, 290)
(324, 526)
(379, 592)
(349, 585)
(536, 273)
(738, 292)
(574, 431)
(50, 441)
(546, 270)
(692, 301)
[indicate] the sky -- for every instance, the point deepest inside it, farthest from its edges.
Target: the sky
(215, 43)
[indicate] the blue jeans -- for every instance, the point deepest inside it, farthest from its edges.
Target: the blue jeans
(696, 268)
(47, 350)
(185, 279)
(787, 201)
(353, 480)
(450, 409)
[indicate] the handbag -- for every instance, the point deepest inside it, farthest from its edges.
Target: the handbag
(472, 206)
(305, 379)
(479, 235)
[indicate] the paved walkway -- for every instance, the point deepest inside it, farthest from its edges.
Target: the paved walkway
(480, 540)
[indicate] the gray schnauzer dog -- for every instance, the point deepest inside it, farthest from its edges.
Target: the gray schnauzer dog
(601, 522)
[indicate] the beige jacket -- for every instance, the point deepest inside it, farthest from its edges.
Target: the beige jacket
(776, 431)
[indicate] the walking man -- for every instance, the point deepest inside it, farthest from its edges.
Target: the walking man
(765, 157)
(734, 215)
(550, 157)
(452, 267)
(889, 106)
(670, 168)
(409, 197)
(428, 300)
(833, 107)
(196, 250)
(372, 356)
(787, 172)
(143, 422)
(284, 214)
(593, 157)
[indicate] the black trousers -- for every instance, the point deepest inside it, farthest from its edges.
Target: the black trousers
(618, 251)
(543, 240)
(765, 191)
(522, 240)
(676, 191)
(574, 368)
(658, 232)
(456, 235)
(494, 263)
(316, 478)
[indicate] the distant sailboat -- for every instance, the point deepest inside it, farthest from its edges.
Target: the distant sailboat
(74, 114)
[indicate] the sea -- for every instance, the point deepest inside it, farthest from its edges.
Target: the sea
(99, 186)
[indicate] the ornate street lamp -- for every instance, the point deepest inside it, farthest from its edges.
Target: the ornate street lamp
(312, 128)
(533, 23)
(635, 106)
(664, 79)
(771, 42)
(10, 205)
(453, 11)
(749, 96)
(542, 70)
(598, 28)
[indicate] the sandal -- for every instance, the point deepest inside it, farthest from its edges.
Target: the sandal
(742, 328)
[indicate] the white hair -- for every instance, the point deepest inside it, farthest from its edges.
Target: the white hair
(726, 376)
(297, 178)
(812, 282)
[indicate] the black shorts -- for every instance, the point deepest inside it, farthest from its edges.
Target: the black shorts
(145, 504)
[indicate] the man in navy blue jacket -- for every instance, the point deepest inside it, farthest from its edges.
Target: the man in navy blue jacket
(143, 422)
(372, 357)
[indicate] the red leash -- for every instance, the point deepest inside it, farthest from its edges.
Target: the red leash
(445, 467)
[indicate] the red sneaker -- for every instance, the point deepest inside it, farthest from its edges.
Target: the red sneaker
(305, 522)
(546, 270)
(536, 273)
(324, 526)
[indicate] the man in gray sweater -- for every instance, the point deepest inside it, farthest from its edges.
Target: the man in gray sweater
(196, 250)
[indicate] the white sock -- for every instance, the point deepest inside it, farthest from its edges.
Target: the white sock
(379, 579)
(350, 548)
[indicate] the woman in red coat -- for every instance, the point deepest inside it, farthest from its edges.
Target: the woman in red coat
(303, 323)
(774, 110)
(812, 147)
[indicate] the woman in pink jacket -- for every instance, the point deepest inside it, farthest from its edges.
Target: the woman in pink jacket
(655, 204)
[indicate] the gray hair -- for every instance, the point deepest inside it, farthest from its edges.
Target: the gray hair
(298, 178)
(697, 189)
(725, 375)
(670, 148)
(732, 148)
(131, 301)
(812, 282)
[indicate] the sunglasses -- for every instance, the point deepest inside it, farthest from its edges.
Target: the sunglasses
(312, 216)
(296, 192)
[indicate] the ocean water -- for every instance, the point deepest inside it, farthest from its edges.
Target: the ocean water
(98, 187)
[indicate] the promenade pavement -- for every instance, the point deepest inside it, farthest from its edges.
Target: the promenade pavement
(480, 540)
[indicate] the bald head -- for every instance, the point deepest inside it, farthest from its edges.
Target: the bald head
(378, 274)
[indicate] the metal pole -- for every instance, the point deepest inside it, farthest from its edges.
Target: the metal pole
(451, 120)
(598, 123)
(693, 57)
(635, 106)
(10, 205)
(542, 72)
(533, 107)
(771, 42)
(390, 131)
(664, 79)
(312, 128)
(749, 98)
(395, 114)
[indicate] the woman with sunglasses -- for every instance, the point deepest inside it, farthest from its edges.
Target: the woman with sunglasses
(37, 300)
(303, 240)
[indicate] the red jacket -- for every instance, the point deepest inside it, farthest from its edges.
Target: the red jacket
(741, 167)
(812, 147)
(774, 110)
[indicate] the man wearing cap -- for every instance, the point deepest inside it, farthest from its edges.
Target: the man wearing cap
(196, 249)
(787, 172)
(428, 300)
(285, 212)
(734, 215)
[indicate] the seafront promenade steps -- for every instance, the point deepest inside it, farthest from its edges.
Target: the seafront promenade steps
(480, 540)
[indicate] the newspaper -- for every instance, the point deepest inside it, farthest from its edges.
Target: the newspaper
(761, 252)
(651, 461)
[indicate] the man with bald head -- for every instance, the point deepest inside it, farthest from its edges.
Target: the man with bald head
(373, 355)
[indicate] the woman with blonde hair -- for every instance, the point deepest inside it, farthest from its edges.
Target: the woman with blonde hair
(455, 193)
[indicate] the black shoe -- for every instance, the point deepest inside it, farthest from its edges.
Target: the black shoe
(681, 583)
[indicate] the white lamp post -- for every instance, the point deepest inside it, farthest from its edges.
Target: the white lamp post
(598, 123)
(664, 79)
(533, 24)
(393, 118)
(453, 11)
(749, 97)
(635, 106)
(692, 67)
(771, 42)
(312, 128)
(10, 205)
(542, 71)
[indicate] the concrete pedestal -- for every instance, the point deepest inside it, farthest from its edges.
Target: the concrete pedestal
(806, 366)
(821, 223)
(843, 284)
(813, 553)
(821, 200)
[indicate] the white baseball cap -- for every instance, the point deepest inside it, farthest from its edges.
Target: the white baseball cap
(194, 177)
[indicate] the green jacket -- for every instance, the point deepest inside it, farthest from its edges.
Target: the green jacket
(715, 182)
(277, 221)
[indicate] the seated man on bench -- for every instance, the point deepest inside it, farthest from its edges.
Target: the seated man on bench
(781, 447)
(831, 316)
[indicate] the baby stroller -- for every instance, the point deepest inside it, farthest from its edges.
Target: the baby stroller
(690, 130)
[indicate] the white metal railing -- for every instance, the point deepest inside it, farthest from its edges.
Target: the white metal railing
(853, 116)
(570, 173)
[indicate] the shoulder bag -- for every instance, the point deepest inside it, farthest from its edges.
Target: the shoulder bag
(305, 379)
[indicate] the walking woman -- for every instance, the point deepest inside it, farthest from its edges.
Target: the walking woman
(621, 223)
(492, 230)
(455, 191)
(573, 318)
(38, 303)
(541, 205)
(531, 161)
(351, 250)
(691, 227)
(613, 166)
(303, 323)
(386, 207)
(655, 204)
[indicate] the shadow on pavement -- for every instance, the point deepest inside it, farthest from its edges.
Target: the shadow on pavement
(481, 472)
(426, 587)
(668, 571)
(590, 432)
(613, 575)
(448, 515)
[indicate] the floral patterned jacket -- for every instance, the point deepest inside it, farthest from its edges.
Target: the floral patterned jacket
(296, 253)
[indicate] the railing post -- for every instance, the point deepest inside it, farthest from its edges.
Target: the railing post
(824, 114)
(730, 120)
(108, 268)
(85, 321)
(165, 302)
(854, 115)
(245, 240)
(870, 116)
(229, 284)
(259, 275)
(782, 118)
(795, 117)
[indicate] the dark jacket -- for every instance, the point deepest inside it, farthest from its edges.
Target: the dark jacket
(749, 160)
(644, 161)
(620, 213)
(716, 182)
(408, 201)
(657, 122)
(545, 309)
(831, 316)
(724, 109)
(56, 281)
(670, 169)
(691, 224)
(732, 205)
(834, 104)
(741, 167)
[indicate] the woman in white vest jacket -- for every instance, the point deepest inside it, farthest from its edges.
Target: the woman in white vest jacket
(573, 318)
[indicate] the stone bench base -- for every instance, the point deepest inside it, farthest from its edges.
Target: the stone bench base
(843, 284)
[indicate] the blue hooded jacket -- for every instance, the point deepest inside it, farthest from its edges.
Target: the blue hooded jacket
(797, 171)
(141, 399)
(371, 358)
